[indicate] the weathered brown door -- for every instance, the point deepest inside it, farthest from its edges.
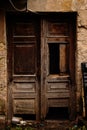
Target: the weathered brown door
(41, 67)
(24, 66)
(58, 66)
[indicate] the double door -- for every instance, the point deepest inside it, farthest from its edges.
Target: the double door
(41, 64)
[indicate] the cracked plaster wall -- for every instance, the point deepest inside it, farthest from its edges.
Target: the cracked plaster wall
(81, 50)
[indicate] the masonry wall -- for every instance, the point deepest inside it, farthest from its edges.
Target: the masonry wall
(3, 68)
(81, 50)
(79, 6)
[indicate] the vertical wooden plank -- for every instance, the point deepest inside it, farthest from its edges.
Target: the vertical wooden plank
(43, 68)
(62, 58)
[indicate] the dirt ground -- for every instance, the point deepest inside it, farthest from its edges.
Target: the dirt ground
(78, 124)
(53, 126)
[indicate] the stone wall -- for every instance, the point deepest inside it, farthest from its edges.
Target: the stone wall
(56, 5)
(81, 50)
(3, 68)
(79, 6)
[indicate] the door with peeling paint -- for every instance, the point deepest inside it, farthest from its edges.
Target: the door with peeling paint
(41, 55)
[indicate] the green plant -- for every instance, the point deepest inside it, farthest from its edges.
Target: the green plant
(8, 127)
(18, 128)
(84, 128)
(28, 128)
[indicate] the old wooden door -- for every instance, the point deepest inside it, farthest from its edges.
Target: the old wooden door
(40, 64)
(58, 66)
(23, 66)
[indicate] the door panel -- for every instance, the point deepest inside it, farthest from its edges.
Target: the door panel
(24, 49)
(23, 54)
(41, 72)
(58, 74)
(24, 107)
(24, 58)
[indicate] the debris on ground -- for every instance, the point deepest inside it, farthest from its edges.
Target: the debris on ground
(20, 124)
(16, 120)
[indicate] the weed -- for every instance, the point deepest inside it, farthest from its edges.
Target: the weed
(18, 128)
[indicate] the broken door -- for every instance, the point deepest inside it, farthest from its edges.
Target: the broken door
(58, 67)
(41, 67)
